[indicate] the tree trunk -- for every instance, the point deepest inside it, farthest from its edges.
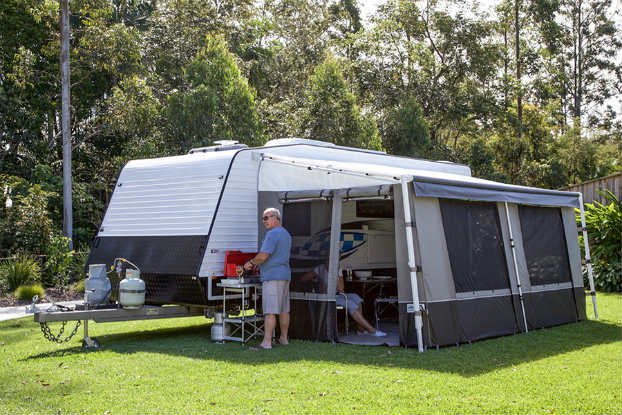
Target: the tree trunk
(519, 95)
(66, 126)
(505, 67)
(51, 140)
(575, 39)
(579, 94)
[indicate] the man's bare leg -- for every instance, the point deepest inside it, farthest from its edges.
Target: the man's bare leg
(284, 326)
(268, 327)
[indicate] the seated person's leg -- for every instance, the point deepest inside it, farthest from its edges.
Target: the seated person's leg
(354, 308)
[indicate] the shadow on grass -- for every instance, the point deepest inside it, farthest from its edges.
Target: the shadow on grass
(466, 360)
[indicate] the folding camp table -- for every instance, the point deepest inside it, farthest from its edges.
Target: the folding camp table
(243, 327)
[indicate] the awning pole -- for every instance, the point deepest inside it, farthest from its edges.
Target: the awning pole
(412, 265)
(335, 234)
(518, 283)
(588, 257)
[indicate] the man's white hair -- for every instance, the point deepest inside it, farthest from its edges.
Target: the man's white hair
(274, 212)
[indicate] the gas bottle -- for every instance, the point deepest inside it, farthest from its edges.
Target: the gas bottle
(132, 290)
(97, 285)
(220, 330)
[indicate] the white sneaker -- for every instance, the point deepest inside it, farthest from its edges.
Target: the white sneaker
(379, 333)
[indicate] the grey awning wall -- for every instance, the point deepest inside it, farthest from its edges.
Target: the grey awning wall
(494, 192)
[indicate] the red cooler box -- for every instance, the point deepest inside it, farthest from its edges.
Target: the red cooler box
(235, 258)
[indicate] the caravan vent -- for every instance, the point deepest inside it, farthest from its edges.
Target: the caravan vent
(222, 145)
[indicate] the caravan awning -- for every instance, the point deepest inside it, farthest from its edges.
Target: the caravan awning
(489, 191)
(305, 173)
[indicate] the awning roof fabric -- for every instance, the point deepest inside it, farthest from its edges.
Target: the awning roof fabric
(425, 183)
(503, 193)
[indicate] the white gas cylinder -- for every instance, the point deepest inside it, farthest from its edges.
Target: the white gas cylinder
(132, 290)
(97, 285)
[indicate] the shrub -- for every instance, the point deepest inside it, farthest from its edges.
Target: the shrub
(23, 270)
(26, 292)
(4, 285)
(78, 286)
(78, 263)
(603, 230)
(57, 267)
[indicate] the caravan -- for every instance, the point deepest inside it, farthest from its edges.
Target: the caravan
(460, 258)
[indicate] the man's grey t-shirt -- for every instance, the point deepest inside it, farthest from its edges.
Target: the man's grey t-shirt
(278, 244)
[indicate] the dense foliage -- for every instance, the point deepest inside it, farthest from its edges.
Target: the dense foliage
(27, 292)
(22, 270)
(427, 79)
(604, 225)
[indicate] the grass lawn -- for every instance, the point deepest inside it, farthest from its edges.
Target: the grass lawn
(171, 366)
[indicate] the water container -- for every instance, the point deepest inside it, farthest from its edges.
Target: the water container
(132, 290)
(97, 285)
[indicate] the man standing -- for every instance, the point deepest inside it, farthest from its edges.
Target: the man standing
(273, 259)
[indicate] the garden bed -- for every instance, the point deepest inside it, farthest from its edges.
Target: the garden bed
(53, 294)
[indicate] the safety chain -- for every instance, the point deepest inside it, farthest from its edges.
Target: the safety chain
(47, 333)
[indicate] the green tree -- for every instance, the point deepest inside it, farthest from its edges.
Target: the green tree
(297, 37)
(405, 131)
(331, 114)
(28, 82)
(590, 40)
(216, 102)
(345, 21)
(177, 33)
(447, 61)
(27, 226)
(585, 157)
(480, 157)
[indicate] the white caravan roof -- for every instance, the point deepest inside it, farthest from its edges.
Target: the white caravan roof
(178, 195)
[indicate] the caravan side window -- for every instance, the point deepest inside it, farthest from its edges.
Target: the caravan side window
(545, 245)
(475, 245)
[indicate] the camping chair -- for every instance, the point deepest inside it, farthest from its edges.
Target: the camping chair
(346, 314)
(381, 305)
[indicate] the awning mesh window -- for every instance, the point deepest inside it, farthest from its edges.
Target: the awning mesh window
(475, 245)
(545, 245)
(310, 224)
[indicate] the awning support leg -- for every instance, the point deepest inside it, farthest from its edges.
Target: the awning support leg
(588, 257)
(518, 282)
(412, 264)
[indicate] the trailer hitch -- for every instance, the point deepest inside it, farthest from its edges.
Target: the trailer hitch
(47, 332)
